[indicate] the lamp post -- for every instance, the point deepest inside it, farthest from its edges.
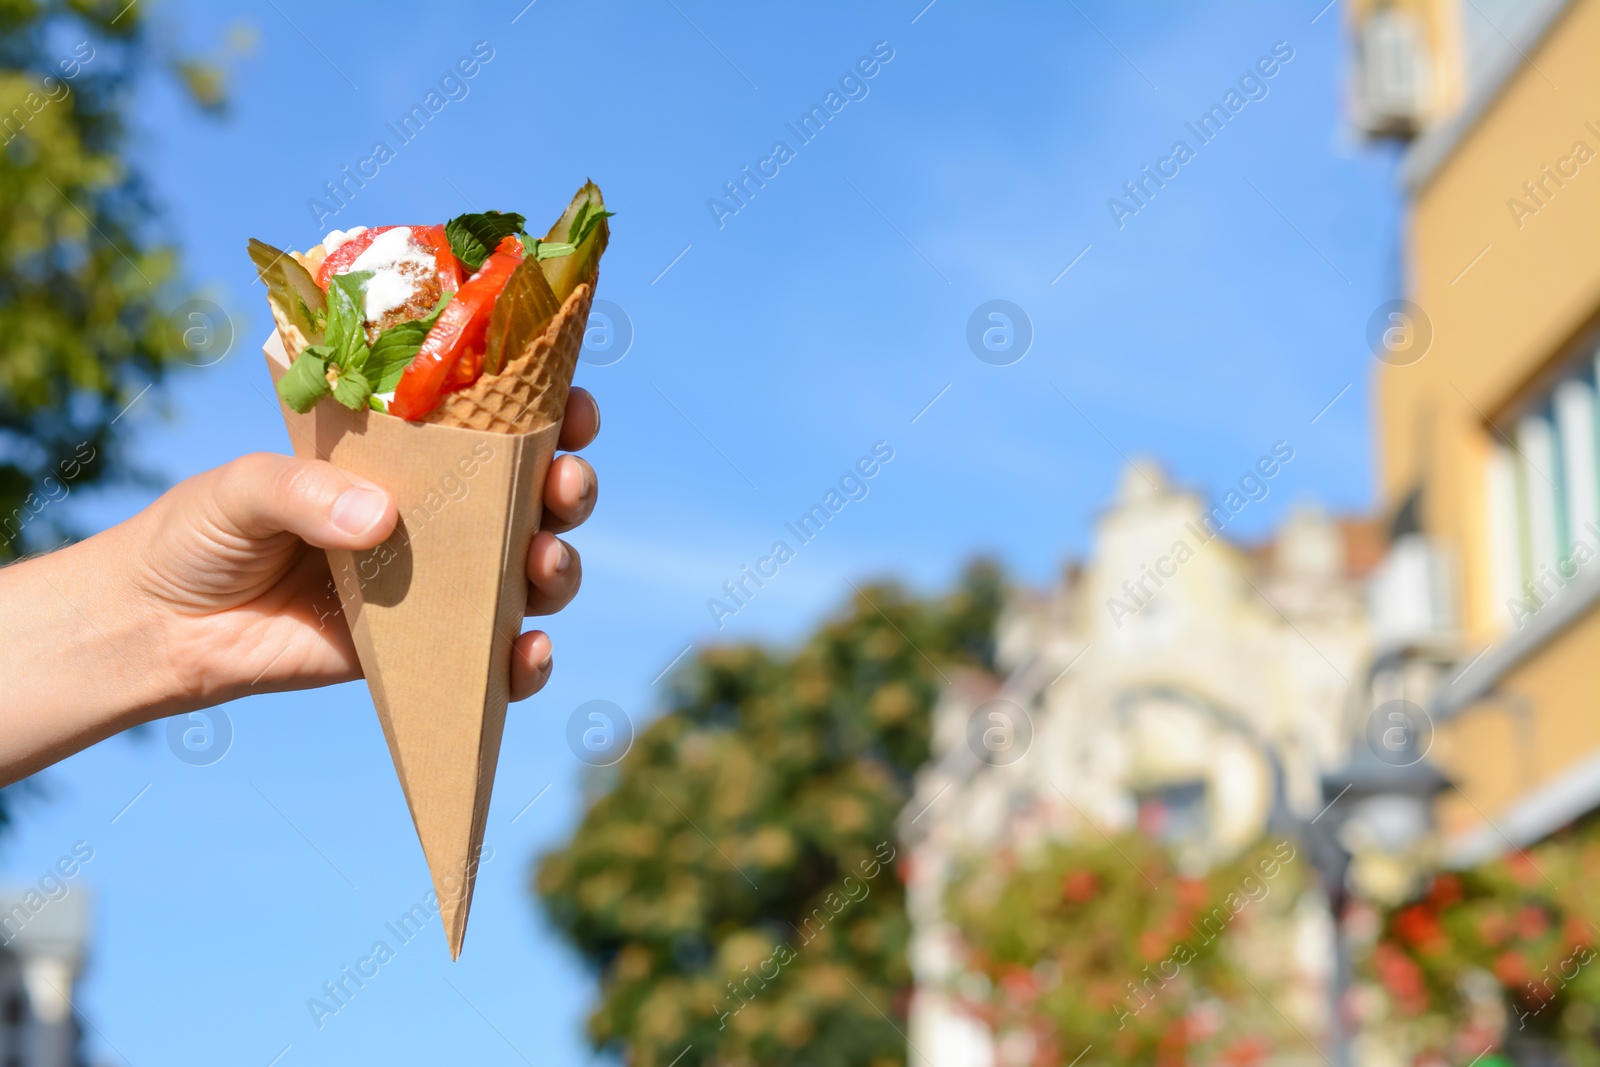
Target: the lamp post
(1382, 797)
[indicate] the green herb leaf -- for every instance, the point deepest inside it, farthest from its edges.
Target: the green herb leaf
(377, 405)
(306, 380)
(583, 224)
(473, 236)
(346, 333)
(352, 389)
(316, 316)
(552, 249)
(589, 215)
(538, 248)
(395, 348)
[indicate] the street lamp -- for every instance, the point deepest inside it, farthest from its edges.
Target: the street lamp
(1380, 802)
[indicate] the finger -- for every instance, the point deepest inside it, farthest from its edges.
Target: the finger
(263, 494)
(530, 664)
(554, 573)
(570, 492)
(581, 423)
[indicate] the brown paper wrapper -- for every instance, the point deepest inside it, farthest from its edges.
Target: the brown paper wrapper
(434, 609)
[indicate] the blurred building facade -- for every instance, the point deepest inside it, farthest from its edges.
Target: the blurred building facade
(42, 943)
(1175, 683)
(1207, 695)
(1487, 423)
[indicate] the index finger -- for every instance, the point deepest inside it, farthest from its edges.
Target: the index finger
(581, 423)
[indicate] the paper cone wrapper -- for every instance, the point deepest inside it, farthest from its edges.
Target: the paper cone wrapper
(434, 609)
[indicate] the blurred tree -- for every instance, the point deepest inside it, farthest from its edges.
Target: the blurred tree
(83, 281)
(1104, 943)
(734, 885)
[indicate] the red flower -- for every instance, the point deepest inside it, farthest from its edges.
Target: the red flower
(1172, 1045)
(1246, 1051)
(1401, 976)
(1079, 887)
(1522, 867)
(1446, 890)
(1419, 927)
(1152, 946)
(1532, 922)
(1511, 968)
(1191, 893)
(1019, 985)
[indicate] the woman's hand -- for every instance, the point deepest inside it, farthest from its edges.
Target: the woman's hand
(221, 589)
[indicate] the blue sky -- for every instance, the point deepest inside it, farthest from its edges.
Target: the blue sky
(768, 355)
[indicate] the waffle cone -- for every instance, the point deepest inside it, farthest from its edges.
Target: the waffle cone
(531, 389)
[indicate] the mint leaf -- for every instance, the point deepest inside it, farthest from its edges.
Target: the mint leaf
(585, 222)
(377, 405)
(552, 249)
(317, 317)
(306, 380)
(473, 236)
(346, 333)
(352, 389)
(395, 348)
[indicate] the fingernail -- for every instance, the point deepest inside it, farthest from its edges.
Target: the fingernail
(564, 560)
(596, 404)
(549, 661)
(358, 510)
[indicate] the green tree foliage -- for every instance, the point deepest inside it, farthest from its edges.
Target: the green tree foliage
(735, 884)
(83, 283)
(1105, 943)
(1500, 955)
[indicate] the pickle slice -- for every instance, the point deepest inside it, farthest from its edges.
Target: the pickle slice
(566, 273)
(299, 306)
(521, 312)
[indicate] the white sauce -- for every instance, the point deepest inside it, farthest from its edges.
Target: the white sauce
(396, 263)
(336, 238)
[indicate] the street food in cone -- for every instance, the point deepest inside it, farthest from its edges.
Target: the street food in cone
(435, 362)
(444, 323)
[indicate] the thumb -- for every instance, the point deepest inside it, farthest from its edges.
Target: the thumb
(264, 494)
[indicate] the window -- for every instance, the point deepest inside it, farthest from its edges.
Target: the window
(1176, 814)
(1542, 491)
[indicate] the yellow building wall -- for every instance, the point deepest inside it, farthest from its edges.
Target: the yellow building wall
(1544, 718)
(1500, 320)
(1505, 297)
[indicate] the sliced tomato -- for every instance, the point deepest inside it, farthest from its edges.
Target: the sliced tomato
(451, 356)
(338, 261)
(467, 369)
(451, 271)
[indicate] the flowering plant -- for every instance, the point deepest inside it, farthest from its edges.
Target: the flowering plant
(1499, 955)
(1107, 943)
